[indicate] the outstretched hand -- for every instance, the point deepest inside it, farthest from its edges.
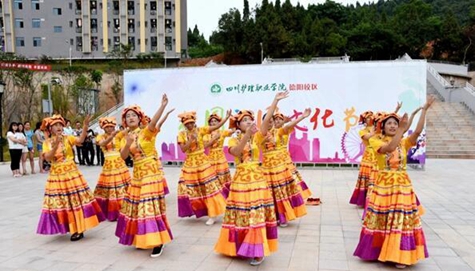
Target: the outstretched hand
(404, 121)
(306, 112)
(164, 99)
(281, 95)
(170, 111)
(429, 102)
(399, 105)
(87, 120)
(252, 129)
(228, 113)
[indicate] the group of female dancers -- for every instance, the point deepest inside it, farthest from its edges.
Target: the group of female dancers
(392, 226)
(261, 195)
(254, 201)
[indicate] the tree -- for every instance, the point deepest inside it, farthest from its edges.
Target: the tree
(96, 77)
(415, 23)
(82, 92)
(449, 44)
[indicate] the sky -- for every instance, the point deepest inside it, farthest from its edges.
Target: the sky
(206, 13)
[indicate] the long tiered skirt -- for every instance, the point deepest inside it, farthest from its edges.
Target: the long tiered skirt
(365, 179)
(220, 163)
(285, 189)
(142, 221)
(199, 190)
(112, 185)
(249, 226)
(69, 204)
(392, 228)
(306, 193)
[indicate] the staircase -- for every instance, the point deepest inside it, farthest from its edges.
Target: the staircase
(450, 131)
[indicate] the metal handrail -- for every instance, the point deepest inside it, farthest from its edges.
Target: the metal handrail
(437, 76)
(470, 88)
(112, 109)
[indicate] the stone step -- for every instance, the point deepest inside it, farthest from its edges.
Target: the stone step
(451, 147)
(450, 152)
(466, 142)
(451, 156)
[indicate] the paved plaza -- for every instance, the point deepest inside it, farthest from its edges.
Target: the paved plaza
(323, 240)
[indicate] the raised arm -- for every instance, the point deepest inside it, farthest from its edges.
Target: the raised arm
(422, 119)
(411, 118)
(221, 123)
(392, 145)
(85, 126)
(293, 123)
(107, 140)
(369, 135)
(162, 120)
(158, 114)
(270, 112)
(398, 106)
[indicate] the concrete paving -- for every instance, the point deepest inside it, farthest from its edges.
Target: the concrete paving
(323, 240)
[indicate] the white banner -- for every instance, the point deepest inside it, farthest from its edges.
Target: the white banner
(336, 93)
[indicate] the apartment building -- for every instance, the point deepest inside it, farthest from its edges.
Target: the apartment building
(90, 29)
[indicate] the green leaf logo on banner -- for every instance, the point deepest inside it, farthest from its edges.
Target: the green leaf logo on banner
(216, 89)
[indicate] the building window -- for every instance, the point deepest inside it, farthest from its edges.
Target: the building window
(168, 26)
(36, 42)
(20, 41)
(168, 8)
(57, 11)
(19, 23)
(36, 23)
(70, 5)
(71, 42)
(58, 29)
(18, 5)
(168, 43)
(78, 43)
(35, 4)
(71, 24)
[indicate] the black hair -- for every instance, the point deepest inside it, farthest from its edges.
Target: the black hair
(10, 128)
(384, 122)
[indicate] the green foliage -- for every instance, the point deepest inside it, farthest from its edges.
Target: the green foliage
(383, 29)
(199, 47)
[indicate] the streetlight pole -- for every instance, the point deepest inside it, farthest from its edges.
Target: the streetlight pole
(2, 88)
(70, 53)
(165, 56)
(262, 53)
(54, 81)
(49, 98)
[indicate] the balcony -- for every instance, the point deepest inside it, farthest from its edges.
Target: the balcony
(78, 12)
(94, 29)
(153, 30)
(115, 12)
(93, 11)
(78, 29)
(131, 30)
(153, 48)
(131, 12)
(116, 30)
(153, 12)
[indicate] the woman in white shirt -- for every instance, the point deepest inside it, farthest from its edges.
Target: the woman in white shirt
(15, 146)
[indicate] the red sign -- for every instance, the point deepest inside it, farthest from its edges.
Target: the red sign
(28, 66)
